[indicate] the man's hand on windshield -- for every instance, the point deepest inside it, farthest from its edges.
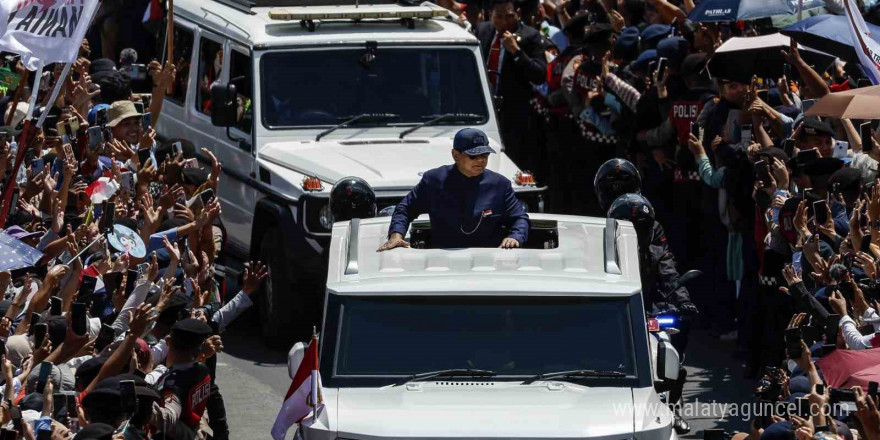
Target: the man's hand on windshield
(394, 240)
(509, 243)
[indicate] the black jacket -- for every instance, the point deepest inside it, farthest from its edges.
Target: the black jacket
(659, 275)
(465, 211)
(517, 76)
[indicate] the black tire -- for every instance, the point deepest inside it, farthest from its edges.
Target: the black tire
(284, 317)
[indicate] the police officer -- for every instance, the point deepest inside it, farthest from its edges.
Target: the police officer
(186, 387)
(352, 197)
(618, 177)
(660, 288)
(467, 203)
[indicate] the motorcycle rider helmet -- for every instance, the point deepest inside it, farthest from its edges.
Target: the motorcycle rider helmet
(615, 178)
(635, 208)
(352, 197)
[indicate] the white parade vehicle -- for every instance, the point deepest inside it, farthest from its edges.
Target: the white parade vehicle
(292, 98)
(544, 342)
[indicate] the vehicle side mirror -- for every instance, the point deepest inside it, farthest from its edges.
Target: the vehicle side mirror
(295, 358)
(668, 362)
(224, 105)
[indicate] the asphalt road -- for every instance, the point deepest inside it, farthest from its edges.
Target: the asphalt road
(254, 379)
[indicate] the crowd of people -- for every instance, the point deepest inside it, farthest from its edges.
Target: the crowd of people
(779, 210)
(112, 301)
(113, 308)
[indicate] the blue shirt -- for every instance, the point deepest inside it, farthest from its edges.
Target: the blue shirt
(465, 211)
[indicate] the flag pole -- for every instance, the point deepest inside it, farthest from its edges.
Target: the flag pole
(35, 90)
(15, 100)
(8, 185)
(314, 400)
(169, 33)
(55, 90)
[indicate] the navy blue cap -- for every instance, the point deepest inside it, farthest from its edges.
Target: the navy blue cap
(674, 49)
(627, 46)
(654, 33)
(189, 333)
(472, 142)
(96, 431)
(645, 58)
(778, 431)
(799, 384)
(814, 126)
(32, 401)
(843, 430)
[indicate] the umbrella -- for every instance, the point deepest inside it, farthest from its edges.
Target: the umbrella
(828, 33)
(862, 377)
(781, 21)
(740, 58)
(15, 254)
(840, 365)
(736, 10)
(863, 103)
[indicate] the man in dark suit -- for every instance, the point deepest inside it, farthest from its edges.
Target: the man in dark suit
(468, 204)
(514, 57)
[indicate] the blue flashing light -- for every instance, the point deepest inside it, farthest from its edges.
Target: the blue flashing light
(666, 321)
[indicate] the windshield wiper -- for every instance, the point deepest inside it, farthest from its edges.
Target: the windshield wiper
(447, 373)
(574, 373)
(348, 120)
(463, 117)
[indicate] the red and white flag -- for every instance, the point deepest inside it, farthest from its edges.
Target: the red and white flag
(304, 394)
(101, 190)
(153, 12)
(866, 47)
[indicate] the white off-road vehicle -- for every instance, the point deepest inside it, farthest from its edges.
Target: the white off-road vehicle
(292, 98)
(544, 342)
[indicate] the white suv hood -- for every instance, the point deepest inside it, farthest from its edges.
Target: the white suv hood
(383, 163)
(474, 410)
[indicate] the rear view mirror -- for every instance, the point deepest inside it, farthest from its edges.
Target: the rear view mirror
(668, 362)
(224, 107)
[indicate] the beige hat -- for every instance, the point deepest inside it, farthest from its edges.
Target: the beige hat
(17, 348)
(20, 112)
(120, 110)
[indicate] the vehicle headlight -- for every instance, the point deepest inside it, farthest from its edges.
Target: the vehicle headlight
(325, 217)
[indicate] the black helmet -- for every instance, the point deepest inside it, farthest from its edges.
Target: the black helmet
(635, 208)
(352, 197)
(615, 178)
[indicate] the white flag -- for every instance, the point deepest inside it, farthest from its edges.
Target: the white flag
(866, 48)
(47, 31)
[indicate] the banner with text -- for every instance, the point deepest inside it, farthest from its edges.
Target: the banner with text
(866, 47)
(47, 31)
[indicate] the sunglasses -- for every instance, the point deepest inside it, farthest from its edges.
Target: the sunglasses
(479, 156)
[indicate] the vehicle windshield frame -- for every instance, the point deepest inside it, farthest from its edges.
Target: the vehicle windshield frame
(265, 95)
(335, 309)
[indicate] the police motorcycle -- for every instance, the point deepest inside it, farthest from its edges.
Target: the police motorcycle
(664, 323)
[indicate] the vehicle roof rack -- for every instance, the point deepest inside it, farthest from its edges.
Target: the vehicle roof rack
(363, 12)
(246, 5)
